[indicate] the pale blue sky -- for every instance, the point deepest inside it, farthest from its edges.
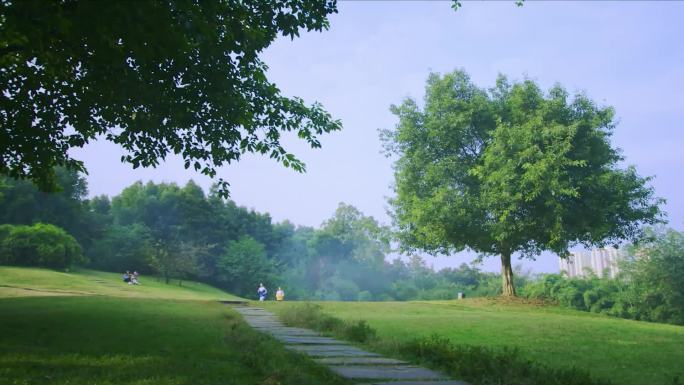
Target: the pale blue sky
(626, 54)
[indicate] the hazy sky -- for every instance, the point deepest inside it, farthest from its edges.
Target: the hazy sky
(626, 54)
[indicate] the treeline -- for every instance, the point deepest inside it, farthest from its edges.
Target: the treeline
(650, 286)
(182, 233)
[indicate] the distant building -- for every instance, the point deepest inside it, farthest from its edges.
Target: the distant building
(580, 263)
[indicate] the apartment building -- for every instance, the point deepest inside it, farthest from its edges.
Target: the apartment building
(579, 263)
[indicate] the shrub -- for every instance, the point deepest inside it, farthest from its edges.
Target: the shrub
(311, 316)
(42, 245)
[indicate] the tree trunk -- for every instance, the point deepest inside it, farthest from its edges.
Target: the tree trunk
(507, 275)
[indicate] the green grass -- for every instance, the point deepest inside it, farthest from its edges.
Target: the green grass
(623, 351)
(21, 282)
(88, 327)
(105, 340)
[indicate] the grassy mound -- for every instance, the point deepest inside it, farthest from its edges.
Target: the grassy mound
(622, 351)
(21, 282)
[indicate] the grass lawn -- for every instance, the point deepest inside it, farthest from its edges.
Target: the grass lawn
(21, 282)
(114, 336)
(624, 351)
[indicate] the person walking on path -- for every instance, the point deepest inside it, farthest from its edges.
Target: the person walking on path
(261, 292)
(280, 294)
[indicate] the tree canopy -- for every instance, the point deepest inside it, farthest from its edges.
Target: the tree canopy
(511, 169)
(155, 77)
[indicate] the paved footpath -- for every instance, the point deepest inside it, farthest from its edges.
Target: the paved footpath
(348, 361)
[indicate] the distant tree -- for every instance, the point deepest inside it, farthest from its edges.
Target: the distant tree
(176, 258)
(463, 275)
(122, 248)
(175, 218)
(510, 170)
(155, 77)
(244, 264)
(351, 235)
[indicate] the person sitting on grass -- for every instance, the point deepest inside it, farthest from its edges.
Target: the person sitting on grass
(134, 278)
(127, 277)
(280, 294)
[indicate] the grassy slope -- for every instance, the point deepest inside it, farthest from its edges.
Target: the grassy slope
(628, 352)
(18, 281)
(115, 336)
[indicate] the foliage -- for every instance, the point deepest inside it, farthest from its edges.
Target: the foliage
(510, 169)
(656, 274)
(160, 78)
(244, 264)
(38, 245)
(649, 288)
(310, 316)
(24, 204)
(123, 248)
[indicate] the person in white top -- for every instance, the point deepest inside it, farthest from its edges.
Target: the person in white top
(261, 292)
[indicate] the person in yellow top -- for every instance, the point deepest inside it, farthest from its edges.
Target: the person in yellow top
(280, 294)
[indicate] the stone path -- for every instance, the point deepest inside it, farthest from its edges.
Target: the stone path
(365, 368)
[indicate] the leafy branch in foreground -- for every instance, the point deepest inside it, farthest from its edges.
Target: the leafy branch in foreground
(155, 77)
(456, 4)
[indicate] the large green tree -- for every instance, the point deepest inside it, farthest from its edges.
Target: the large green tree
(510, 170)
(156, 77)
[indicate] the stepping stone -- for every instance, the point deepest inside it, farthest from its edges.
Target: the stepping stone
(260, 318)
(291, 333)
(265, 321)
(293, 330)
(450, 382)
(358, 361)
(233, 302)
(309, 340)
(251, 311)
(256, 314)
(387, 372)
(263, 324)
(331, 351)
(343, 359)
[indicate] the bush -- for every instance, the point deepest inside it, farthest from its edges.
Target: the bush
(649, 288)
(41, 245)
(364, 296)
(311, 316)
